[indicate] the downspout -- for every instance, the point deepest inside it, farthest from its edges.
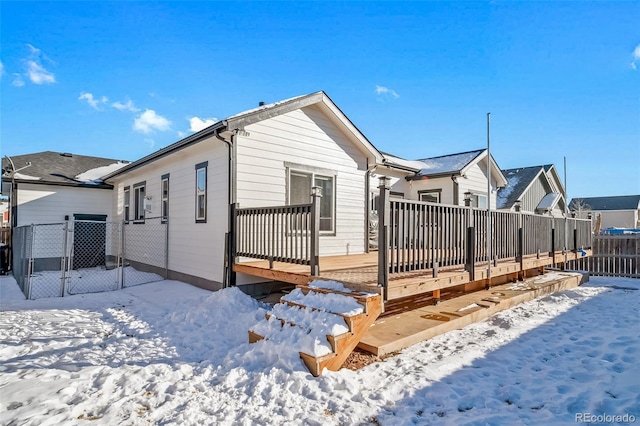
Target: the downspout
(229, 276)
(367, 204)
(456, 190)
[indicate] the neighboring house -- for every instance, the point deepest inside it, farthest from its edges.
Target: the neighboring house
(535, 189)
(49, 187)
(447, 179)
(269, 156)
(614, 212)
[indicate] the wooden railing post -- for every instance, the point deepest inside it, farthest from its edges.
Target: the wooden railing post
(471, 253)
(383, 243)
(316, 195)
(552, 253)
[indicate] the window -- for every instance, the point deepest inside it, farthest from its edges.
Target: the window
(395, 194)
(164, 187)
(138, 201)
(479, 201)
(300, 184)
(430, 195)
(201, 192)
(127, 200)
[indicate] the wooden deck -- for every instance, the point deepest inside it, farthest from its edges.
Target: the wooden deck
(391, 333)
(360, 272)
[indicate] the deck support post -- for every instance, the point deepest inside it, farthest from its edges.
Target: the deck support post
(316, 195)
(471, 253)
(575, 240)
(231, 246)
(383, 235)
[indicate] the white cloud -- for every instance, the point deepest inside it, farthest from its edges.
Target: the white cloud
(150, 142)
(149, 121)
(127, 106)
(196, 123)
(93, 101)
(636, 57)
(38, 74)
(17, 80)
(1, 68)
(34, 68)
(385, 91)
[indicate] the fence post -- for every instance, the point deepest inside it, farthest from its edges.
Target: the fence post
(123, 251)
(383, 235)
(231, 245)
(316, 195)
(521, 250)
(575, 238)
(30, 263)
(63, 261)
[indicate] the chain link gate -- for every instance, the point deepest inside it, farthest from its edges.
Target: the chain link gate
(88, 256)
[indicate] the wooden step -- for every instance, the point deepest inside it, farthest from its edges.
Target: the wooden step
(342, 344)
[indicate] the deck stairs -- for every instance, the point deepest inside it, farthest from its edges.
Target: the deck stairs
(324, 325)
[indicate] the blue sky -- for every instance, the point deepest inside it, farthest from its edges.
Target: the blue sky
(123, 79)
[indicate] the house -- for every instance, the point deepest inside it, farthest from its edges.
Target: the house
(614, 212)
(448, 179)
(268, 156)
(50, 187)
(535, 189)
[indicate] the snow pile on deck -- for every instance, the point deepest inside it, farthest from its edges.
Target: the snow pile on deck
(170, 353)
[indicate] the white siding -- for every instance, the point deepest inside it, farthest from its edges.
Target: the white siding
(50, 204)
(194, 248)
(618, 218)
(305, 137)
(445, 184)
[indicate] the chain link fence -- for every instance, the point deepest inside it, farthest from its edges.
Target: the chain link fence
(83, 256)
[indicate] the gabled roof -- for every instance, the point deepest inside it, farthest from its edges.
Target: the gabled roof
(622, 202)
(448, 164)
(519, 180)
(455, 164)
(264, 112)
(56, 168)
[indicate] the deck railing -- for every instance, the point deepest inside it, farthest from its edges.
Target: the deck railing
(419, 235)
(278, 234)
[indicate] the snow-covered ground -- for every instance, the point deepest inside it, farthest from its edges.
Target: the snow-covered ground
(169, 353)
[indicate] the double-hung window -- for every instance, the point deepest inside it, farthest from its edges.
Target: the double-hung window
(138, 201)
(127, 203)
(164, 187)
(201, 192)
(300, 184)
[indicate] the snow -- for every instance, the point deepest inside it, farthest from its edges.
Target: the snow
(332, 302)
(25, 177)
(448, 163)
(329, 285)
(94, 176)
(265, 106)
(170, 353)
(503, 193)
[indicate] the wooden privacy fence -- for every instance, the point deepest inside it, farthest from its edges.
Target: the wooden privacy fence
(278, 234)
(613, 256)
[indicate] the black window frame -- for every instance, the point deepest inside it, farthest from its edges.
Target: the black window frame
(164, 201)
(201, 166)
(437, 192)
(126, 204)
(139, 197)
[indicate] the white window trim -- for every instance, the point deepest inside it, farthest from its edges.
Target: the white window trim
(433, 192)
(126, 204)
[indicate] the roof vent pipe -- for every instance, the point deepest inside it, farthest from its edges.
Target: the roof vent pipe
(261, 103)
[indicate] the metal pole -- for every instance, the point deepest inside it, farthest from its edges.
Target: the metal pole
(63, 262)
(489, 254)
(166, 247)
(122, 251)
(566, 215)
